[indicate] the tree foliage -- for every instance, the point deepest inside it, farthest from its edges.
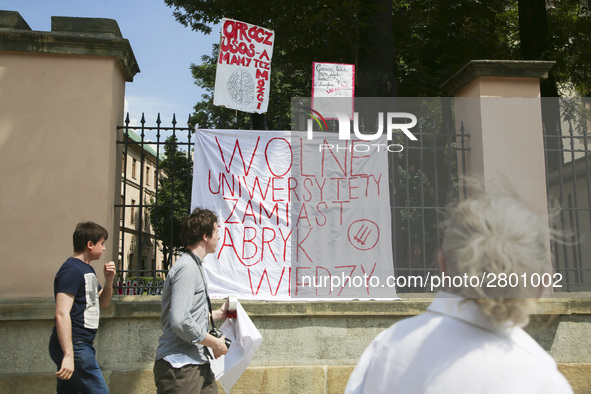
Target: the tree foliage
(174, 196)
(429, 39)
(400, 48)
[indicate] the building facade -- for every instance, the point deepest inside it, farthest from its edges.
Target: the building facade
(140, 256)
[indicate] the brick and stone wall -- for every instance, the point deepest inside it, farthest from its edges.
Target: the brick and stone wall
(308, 347)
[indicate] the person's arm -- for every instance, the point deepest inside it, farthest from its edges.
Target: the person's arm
(107, 291)
(216, 344)
(63, 323)
(188, 323)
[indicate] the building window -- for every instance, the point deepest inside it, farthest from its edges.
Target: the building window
(122, 208)
(148, 175)
(134, 169)
(132, 211)
(123, 169)
(155, 179)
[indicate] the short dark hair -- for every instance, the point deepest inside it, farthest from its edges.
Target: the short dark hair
(87, 231)
(199, 223)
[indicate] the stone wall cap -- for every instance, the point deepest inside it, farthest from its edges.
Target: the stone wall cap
(73, 36)
(496, 68)
(409, 305)
(12, 20)
(85, 25)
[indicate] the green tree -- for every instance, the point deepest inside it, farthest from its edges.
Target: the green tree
(351, 31)
(172, 199)
(400, 48)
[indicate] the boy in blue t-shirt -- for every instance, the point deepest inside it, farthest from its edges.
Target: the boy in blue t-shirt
(78, 296)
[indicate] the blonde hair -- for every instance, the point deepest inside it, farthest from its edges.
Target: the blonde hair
(490, 235)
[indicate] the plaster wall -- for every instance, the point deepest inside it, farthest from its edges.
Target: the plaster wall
(58, 116)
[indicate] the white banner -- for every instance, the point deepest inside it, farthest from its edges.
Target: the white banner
(298, 218)
(243, 75)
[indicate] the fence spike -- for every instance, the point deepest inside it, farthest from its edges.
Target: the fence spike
(174, 119)
(143, 121)
(190, 125)
(127, 120)
(158, 119)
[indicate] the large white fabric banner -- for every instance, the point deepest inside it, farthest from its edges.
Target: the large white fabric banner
(243, 74)
(298, 218)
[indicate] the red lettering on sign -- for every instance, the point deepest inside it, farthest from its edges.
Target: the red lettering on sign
(224, 57)
(348, 276)
(377, 181)
(273, 189)
(260, 75)
(267, 242)
(265, 54)
(297, 278)
(320, 212)
(344, 169)
(227, 221)
(292, 188)
(319, 276)
(257, 184)
(307, 184)
(228, 241)
(321, 188)
(268, 35)
(370, 275)
(237, 147)
(353, 157)
(246, 210)
(304, 216)
(249, 241)
(274, 150)
(224, 179)
(269, 215)
(263, 275)
(284, 238)
(299, 244)
(209, 184)
(341, 210)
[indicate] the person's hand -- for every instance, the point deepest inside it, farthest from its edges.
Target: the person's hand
(222, 313)
(67, 368)
(219, 348)
(109, 270)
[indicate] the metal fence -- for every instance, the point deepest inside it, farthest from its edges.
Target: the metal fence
(146, 184)
(568, 174)
(424, 178)
(423, 181)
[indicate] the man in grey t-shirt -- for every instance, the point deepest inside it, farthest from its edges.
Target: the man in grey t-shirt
(182, 364)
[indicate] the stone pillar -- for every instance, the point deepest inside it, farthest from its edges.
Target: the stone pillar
(61, 99)
(498, 103)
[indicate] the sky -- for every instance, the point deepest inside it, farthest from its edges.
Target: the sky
(163, 48)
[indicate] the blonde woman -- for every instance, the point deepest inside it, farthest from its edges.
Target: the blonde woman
(470, 340)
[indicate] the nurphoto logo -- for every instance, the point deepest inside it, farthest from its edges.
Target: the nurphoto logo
(394, 121)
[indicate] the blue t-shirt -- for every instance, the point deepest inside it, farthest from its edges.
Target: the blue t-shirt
(78, 278)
